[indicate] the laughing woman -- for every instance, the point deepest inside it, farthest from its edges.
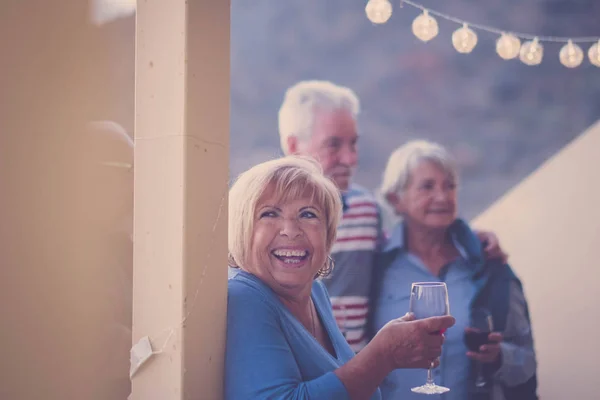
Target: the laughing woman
(282, 339)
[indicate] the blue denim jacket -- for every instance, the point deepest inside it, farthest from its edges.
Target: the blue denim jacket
(469, 280)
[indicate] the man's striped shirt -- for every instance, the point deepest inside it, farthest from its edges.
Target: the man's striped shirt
(358, 238)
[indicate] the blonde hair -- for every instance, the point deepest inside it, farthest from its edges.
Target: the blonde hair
(303, 100)
(409, 156)
(290, 177)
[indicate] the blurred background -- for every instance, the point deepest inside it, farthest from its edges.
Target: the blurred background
(501, 119)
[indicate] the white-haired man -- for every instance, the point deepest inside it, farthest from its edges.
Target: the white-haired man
(319, 119)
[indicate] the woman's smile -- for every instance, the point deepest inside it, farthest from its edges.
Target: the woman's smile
(291, 257)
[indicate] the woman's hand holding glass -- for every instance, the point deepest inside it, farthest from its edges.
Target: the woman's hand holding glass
(409, 343)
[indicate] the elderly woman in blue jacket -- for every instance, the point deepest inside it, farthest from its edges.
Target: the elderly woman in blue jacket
(431, 244)
(282, 339)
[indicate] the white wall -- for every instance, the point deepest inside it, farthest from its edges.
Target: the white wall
(550, 225)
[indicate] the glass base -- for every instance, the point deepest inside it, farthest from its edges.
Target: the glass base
(479, 387)
(430, 388)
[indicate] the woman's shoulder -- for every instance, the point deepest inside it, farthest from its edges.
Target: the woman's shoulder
(246, 291)
(462, 231)
(467, 242)
(319, 293)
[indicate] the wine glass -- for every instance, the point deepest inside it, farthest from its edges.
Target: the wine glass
(429, 299)
(477, 334)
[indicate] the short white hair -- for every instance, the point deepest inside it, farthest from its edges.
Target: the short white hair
(406, 158)
(304, 99)
(290, 177)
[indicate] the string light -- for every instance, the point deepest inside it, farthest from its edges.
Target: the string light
(532, 52)
(464, 39)
(508, 45)
(425, 27)
(378, 11)
(594, 54)
(571, 55)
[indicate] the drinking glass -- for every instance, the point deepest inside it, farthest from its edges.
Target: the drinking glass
(429, 299)
(476, 335)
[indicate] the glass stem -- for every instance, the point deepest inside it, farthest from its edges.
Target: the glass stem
(480, 381)
(430, 377)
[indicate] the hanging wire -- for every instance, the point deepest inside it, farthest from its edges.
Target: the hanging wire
(491, 29)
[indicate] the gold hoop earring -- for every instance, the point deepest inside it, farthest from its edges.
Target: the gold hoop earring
(327, 268)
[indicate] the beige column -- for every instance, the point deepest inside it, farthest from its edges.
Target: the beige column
(60, 269)
(181, 174)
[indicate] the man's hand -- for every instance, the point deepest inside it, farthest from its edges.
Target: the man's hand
(491, 246)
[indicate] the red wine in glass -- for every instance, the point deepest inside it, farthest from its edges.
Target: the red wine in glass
(474, 339)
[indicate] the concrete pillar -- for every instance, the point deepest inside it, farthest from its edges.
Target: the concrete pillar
(61, 307)
(181, 174)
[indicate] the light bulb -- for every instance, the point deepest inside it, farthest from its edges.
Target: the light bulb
(378, 11)
(594, 54)
(571, 55)
(464, 39)
(508, 46)
(425, 27)
(531, 52)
